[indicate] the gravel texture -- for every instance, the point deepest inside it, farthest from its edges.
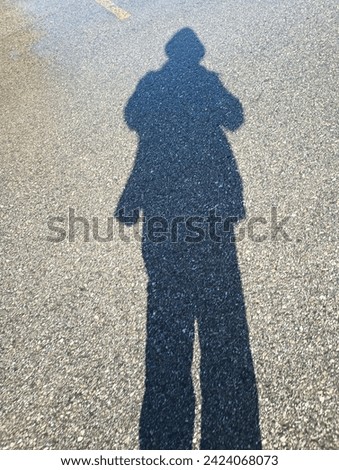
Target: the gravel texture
(73, 314)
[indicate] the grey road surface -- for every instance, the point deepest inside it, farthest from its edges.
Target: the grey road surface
(73, 313)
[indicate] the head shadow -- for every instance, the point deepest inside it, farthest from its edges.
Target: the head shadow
(186, 186)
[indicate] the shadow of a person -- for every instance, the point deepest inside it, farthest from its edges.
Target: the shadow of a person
(186, 184)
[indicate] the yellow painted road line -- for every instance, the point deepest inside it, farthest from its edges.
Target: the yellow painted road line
(117, 11)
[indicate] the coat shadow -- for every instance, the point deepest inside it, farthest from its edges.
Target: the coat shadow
(186, 190)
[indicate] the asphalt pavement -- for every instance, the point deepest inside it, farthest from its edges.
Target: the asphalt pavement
(73, 312)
